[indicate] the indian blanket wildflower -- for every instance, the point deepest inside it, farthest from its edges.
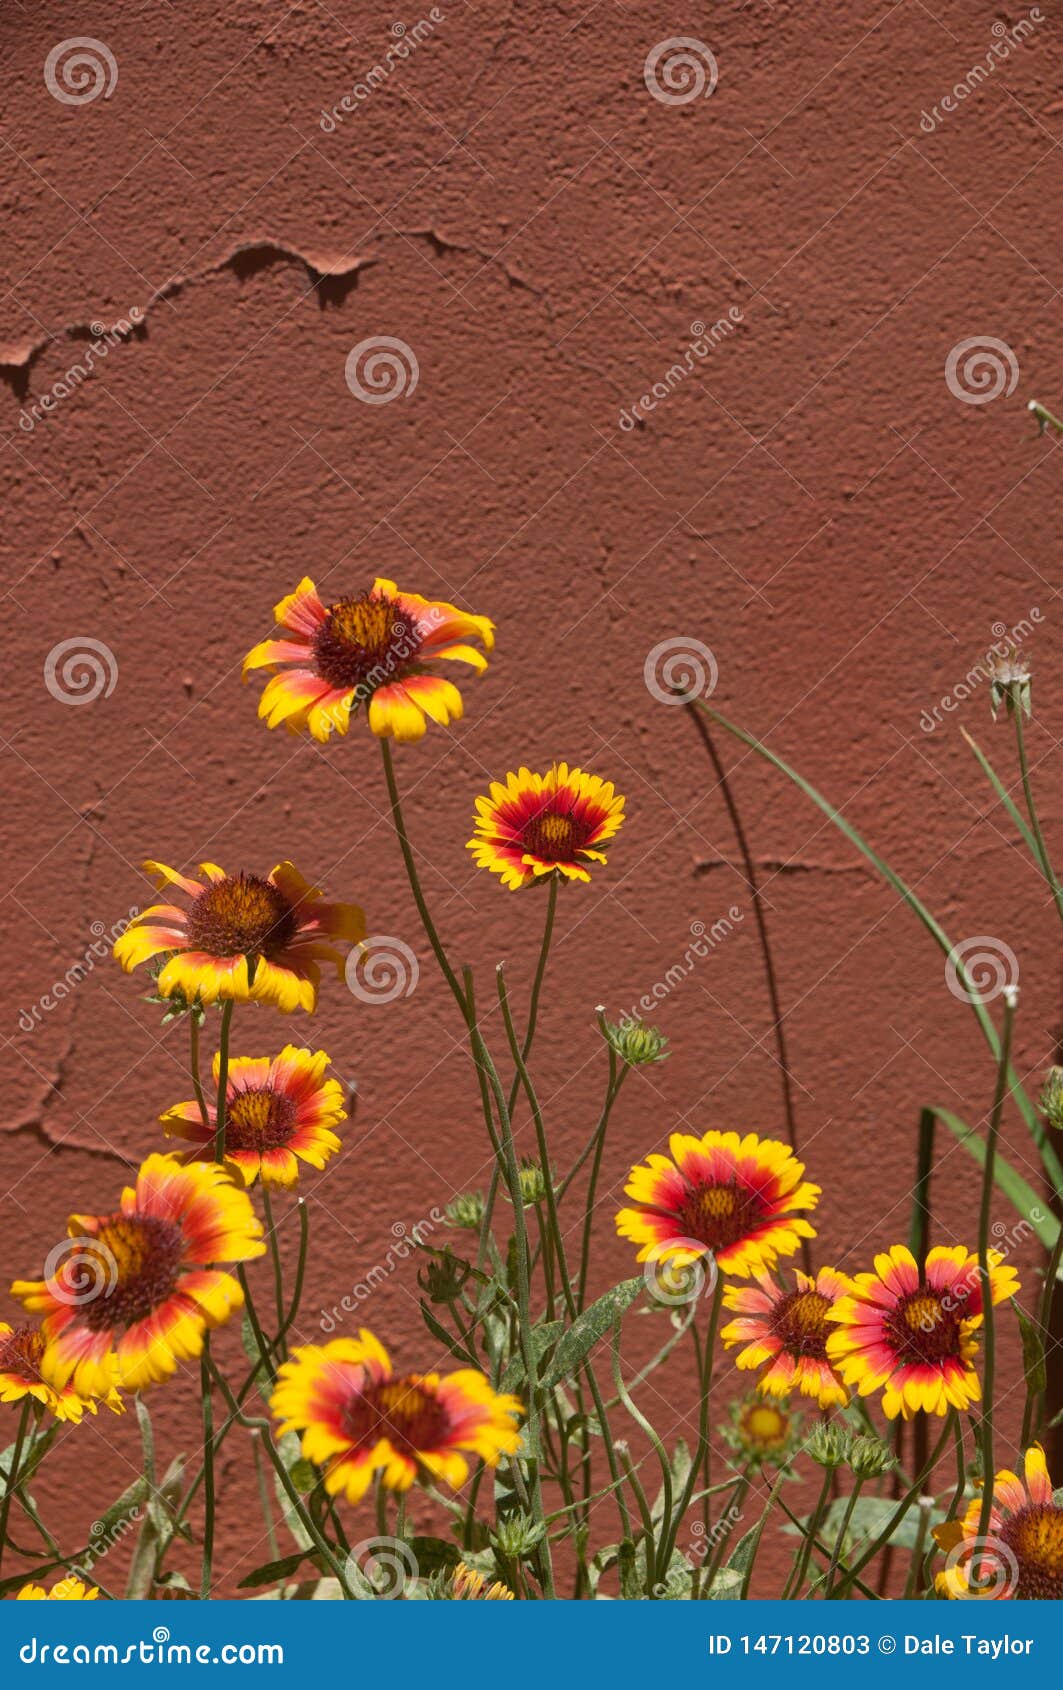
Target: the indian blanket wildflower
(373, 648)
(242, 937)
(134, 1293)
(736, 1199)
(1022, 1554)
(358, 1418)
(911, 1335)
(789, 1330)
(21, 1352)
(279, 1112)
(538, 825)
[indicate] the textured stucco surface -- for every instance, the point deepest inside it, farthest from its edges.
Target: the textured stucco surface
(812, 502)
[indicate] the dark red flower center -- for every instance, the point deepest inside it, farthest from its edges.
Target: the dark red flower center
(128, 1269)
(21, 1351)
(555, 834)
(800, 1320)
(260, 1119)
(241, 915)
(405, 1411)
(924, 1329)
(365, 642)
(719, 1215)
(1035, 1537)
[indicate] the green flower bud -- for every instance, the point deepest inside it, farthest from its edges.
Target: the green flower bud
(442, 1277)
(1052, 1098)
(828, 1444)
(516, 1536)
(466, 1210)
(636, 1043)
(869, 1457)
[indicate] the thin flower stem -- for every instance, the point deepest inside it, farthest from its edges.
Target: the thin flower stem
(415, 884)
(734, 1509)
(511, 1173)
(1035, 1411)
(912, 1584)
(1045, 418)
(818, 1546)
(839, 1542)
(264, 1496)
(849, 1577)
(631, 1475)
(207, 1401)
(611, 1094)
(12, 1477)
(1031, 808)
(278, 1272)
(919, 1241)
(698, 1459)
(197, 1079)
(797, 1577)
(989, 1353)
(653, 1564)
(223, 1080)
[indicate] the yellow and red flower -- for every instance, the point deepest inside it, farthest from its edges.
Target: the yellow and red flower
(734, 1199)
(538, 825)
(21, 1352)
(467, 1585)
(242, 937)
(358, 1418)
(133, 1294)
(912, 1335)
(1021, 1555)
(371, 649)
(789, 1329)
(278, 1112)
(68, 1589)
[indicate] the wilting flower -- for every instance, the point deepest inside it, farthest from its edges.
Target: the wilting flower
(1021, 1555)
(68, 1589)
(370, 649)
(789, 1329)
(1009, 681)
(733, 1198)
(277, 928)
(913, 1337)
(538, 825)
(21, 1350)
(467, 1585)
(134, 1292)
(760, 1431)
(278, 1113)
(358, 1418)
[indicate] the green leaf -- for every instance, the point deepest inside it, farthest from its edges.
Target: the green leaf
(1022, 1197)
(726, 1585)
(870, 1516)
(450, 1340)
(277, 1572)
(631, 1585)
(1033, 1354)
(543, 1337)
(589, 1327)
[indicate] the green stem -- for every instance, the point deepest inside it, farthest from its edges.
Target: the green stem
(699, 1456)
(653, 1564)
(1035, 1412)
(797, 1577)
(1031, 808)
(197, 1079)
(12, 1477)
(849, 1577)
(415, 884)
(611, 1094)
(984, 1266)
(839, 1542)
(278, 1272)
(223, 1080)
(208, 1471)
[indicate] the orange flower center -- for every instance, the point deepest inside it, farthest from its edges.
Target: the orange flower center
(800, 1320)
(259, 1120)
(241, 915)
(365, 643)
(554, 836)
(719, 1215)
(923, 1330)
(21, 1352)
(136, 1260)
(405, 1411)
(1035, 1537)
